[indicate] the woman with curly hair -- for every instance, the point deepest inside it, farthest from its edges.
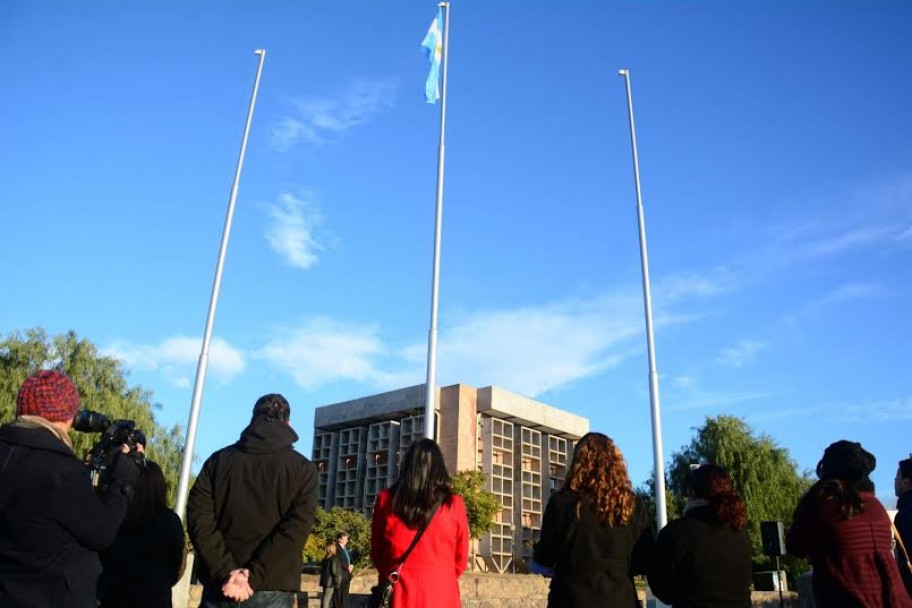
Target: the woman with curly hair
(703, 559)
(844, 531)
(595, 535)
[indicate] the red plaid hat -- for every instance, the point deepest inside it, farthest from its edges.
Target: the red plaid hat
(48, 394)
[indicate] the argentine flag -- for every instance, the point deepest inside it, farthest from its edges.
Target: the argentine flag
(433, 48)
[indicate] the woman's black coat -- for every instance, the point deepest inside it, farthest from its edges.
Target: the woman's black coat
(593, 563)
(701, 564)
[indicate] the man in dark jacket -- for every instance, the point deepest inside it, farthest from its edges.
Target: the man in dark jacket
(250, 512)
(344, 557)
(53, 522)
(903, 519)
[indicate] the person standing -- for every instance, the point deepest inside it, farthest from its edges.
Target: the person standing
(841, 527)
(421, 497)
(346, 567)
(903, 519)
(250, 512)
(330, 575)
(595, 533)
(147, 557)
(53, 522)
(704, 559)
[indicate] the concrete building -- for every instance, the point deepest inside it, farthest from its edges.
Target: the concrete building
(522, 446)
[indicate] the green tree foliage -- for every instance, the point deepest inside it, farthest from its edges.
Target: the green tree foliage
(763, 473)
(329, 524)
(674, 505)
(102, 385)
(481, 506)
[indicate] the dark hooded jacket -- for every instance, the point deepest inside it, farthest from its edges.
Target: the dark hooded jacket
(53, 523)
(253, 506)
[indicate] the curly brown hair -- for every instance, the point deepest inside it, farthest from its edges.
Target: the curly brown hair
(598, 472)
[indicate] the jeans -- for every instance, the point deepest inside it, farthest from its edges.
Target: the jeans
(259, 599)
(326, 599)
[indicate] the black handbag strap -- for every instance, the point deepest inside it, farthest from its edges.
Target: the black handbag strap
(415, 540)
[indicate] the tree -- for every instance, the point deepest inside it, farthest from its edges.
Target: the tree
(102, 385)
(328, 524)
(481, 506)
(763, 473)
(674, 505)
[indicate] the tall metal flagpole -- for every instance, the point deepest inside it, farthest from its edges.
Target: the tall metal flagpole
(661, 513)
(431, 384)
(183, 484)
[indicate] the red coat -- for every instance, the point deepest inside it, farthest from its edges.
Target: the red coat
(852, 560)
(431, 572)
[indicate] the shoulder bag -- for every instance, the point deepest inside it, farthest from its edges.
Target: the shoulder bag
(382, 595)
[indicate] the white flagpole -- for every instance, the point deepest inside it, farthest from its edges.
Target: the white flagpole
(661, 513)
(184, 483)
(431, 384)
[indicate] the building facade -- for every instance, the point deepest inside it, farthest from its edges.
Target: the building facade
(523, 447)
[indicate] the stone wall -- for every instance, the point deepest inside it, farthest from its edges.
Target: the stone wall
(480, 590)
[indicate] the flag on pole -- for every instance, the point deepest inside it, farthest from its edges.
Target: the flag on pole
(433, 48)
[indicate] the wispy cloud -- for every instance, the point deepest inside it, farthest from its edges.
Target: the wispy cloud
(291, 231)
(317, 119)
(531, 349)
(536, 349)
(848, 293)
(176, 358)
(687, 393)
(322, 351)
(884, 410)
(677, 287)
(741, 353)
(905, 236)
(842, 242)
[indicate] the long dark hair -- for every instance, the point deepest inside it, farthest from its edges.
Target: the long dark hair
(598, 472)
(843, 473)
(713, 484)
(150, 496)
(423, 482)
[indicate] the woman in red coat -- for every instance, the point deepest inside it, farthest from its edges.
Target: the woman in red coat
(431, 572)
(845, 532)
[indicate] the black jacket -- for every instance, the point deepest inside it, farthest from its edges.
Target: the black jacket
(593, 563)
(701, 564)
(331, 572)
(253, 506)
(53, 522)
(142, 565)
(903, 521)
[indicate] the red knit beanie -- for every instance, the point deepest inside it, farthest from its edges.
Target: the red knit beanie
(48, 394)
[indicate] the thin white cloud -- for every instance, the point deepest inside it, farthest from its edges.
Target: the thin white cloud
(884, 410)
(291, 231)
(839, 295)
(317, 119)
(905, 236)
(536, 349)
(176, 358)
(848, 293)
(836, 244)
(687, 393)
(322, 351)
(741, 353)
(685, 285)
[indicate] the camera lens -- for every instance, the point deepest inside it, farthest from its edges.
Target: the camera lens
(88, 421)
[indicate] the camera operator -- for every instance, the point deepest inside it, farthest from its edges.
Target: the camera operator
(53, 523)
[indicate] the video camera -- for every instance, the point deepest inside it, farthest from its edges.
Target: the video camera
(115, 434)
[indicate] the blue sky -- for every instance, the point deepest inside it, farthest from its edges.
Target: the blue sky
(777, 180)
